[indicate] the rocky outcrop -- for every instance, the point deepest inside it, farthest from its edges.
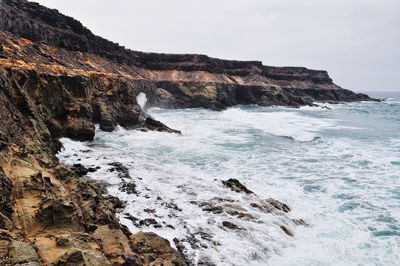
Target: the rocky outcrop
(235, 185)
(48, 214)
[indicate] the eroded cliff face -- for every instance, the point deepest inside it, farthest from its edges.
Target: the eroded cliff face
(48, 214)
(57, 79)
(60, 43)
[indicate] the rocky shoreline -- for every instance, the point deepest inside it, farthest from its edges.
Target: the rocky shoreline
(57, 80)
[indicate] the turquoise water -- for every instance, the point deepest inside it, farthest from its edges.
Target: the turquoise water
(336, 166)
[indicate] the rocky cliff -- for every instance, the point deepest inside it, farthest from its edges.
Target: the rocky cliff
(57, 79)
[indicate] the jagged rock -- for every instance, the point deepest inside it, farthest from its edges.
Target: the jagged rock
(270, 205)
(116, 202)
(278, 205)
(155, 250)
(230, 225)
(286, 230)
(182, 251)
(128, 187)
(22, 253)
(148, 222)
(123, 171)
(63, 172)
(236, 186)
(80, 170)
(300, 222)
(155, 125)
(113, 241)
(84, 258)
(54, 211)
(218, 206)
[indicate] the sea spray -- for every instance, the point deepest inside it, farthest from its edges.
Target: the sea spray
(142, 100)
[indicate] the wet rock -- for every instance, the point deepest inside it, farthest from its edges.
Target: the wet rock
(39, 182)
(171, 205)
(149, 210)
(231, 226)
(241, 215)
(278, 205)
(220, 205)
(204, 261)
(155, 125)
(208, 207)
(123, 171)
(299, 222)
(270, 205)
(79, 169)
(182, 250)
(116, 202)
(128, 187)
(235, 185)
(149, 222)
(133, 219)
(92, 169)
(286, 230)
(155, 250)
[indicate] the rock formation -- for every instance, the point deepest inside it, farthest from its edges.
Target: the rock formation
(57, 79)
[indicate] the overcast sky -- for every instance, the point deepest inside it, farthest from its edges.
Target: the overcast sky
(357, 41)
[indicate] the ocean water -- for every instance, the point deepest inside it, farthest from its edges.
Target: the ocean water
(336, 166)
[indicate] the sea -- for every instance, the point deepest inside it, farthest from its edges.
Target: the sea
(337, 167)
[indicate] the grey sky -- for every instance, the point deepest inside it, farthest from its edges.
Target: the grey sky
(357, 41)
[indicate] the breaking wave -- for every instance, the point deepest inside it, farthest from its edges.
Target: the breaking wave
(339, 172)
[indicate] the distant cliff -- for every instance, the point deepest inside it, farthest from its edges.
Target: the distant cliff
(260, 84)
(57, 79)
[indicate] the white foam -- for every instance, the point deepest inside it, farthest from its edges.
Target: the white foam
(285, 124)
(340, 185)
(142, 99)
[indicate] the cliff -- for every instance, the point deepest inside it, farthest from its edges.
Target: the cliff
(57, 79)
(179, 80)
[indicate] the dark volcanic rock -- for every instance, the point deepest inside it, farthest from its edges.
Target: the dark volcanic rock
(80, 170)
(230, 225)
(123, 171)
(286, 230)
(236, 186)
(155, 125)
(278, 205)
(128, 187)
